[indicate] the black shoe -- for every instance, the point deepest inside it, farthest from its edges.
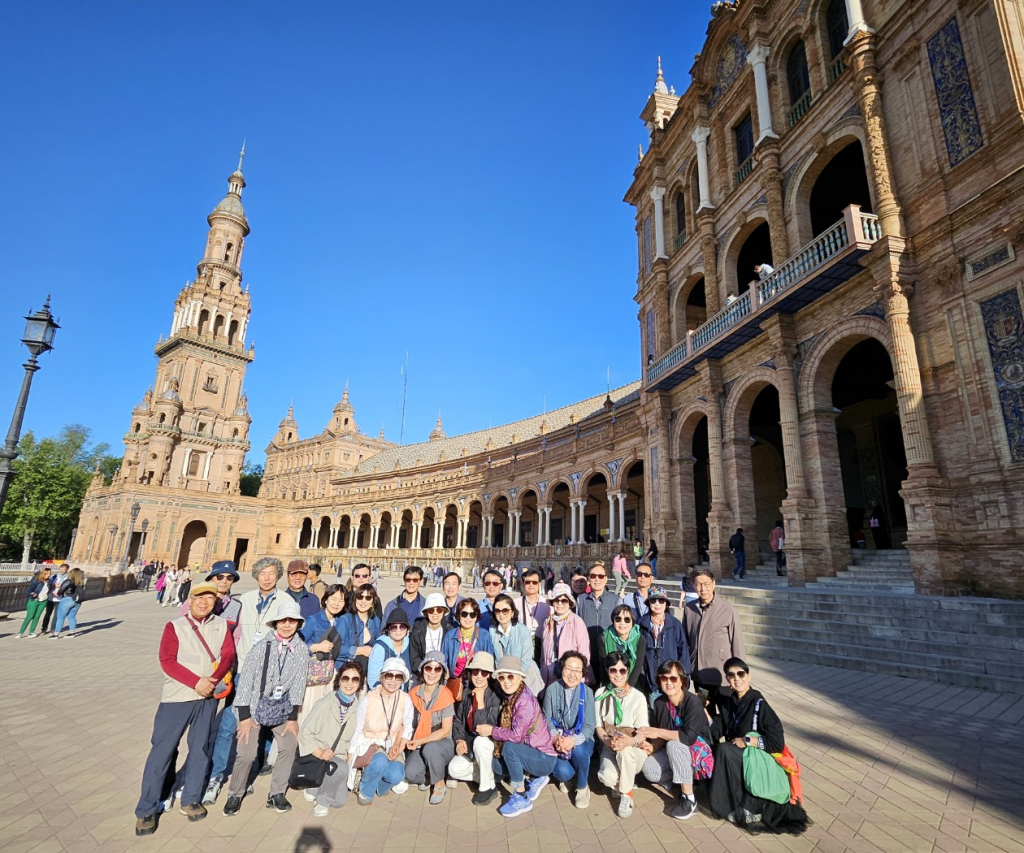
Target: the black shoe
(278, 802)
(146, 825)
(483, 798)
(232, 806)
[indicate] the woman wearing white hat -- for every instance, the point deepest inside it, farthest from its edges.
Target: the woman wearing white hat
(427, 633)
(474, 753)
(269, 694)
(431, 746)
(384, 722)
(563, 631)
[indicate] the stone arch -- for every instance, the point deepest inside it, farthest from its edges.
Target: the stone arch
(192, 547)
(694, 482)
(686, 316)
(305, 532)
(323, 532)
(727, 278)
(741, 396)
(498, 495)
(819, 364)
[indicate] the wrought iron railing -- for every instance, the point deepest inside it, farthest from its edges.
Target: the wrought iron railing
(743, 172)
(800, 108)
(836, 68)
(679, 241)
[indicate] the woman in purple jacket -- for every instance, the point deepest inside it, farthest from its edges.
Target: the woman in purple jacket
(522, 742)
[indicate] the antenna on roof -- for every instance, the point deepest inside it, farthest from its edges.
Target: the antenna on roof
(609, 379)
(404, 372)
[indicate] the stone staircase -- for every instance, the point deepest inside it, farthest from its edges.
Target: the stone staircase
(968, 642)
(879, 571)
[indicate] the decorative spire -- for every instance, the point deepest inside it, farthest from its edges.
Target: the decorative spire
(241, 157)
(659, 83)
(437, 433)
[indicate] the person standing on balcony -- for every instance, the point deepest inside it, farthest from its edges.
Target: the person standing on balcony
(763, 270)
(737, 546)
(777, 541)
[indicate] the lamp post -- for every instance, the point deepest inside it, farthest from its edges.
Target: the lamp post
(133, 514)
(142, 542)
(40, 329)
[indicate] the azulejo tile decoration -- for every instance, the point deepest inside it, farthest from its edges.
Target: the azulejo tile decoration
(1004, 331)
(952, 80)
(730, 63)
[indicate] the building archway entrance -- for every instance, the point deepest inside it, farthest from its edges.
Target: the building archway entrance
(634, 507)
(193, 543)
(474, 534)
(363, 533)
(323, 536)
(561, 495)
(428, 529)
(700, 452)
(767, 469)
(843, 181)
(306, 532)
(595, 525)
(501, 527)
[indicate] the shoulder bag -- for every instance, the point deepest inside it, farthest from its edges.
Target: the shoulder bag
(225, 685)
(270, 712)
(308, 771)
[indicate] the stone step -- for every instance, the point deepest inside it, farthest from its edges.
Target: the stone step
(870, 613)
(923, 603)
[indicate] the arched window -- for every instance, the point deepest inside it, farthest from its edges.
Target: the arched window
(837, 25)
(137, 428)
(204, 321)
(680, 214)
(227, 252)
(797, 74)
(163, 418)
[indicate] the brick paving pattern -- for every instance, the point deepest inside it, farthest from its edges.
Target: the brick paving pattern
(890, 764)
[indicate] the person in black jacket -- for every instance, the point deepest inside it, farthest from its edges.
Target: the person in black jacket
(737, 544)
(480, 705)
(426, 635)
(740, 714)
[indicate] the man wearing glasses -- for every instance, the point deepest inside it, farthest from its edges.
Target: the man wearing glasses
(637, 601)
(533, 610)
(360, 575)
(494, 583)
(595, 607)
(410, 600)
(714, 635)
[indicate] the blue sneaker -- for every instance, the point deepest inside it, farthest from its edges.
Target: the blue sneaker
(516, 805)
(535, 786)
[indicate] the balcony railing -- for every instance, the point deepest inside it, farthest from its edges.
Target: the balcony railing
(679, 241)
(743, 172)
(848, 239)
(800, 108)
(836, 68)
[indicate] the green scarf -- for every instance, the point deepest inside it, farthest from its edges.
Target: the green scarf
(616, 695)
(612, 643)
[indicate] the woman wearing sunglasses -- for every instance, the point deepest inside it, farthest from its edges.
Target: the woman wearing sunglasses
(326, 734)
(510, 638)
(392, 643)
(427, 634)
(384, 721)
(431, 747)
(522, 742)
(621, 712)
(474, 753)
(563, 631)
(361, 624)
(746, 721)
(665, 637)
(678, 739)
(624, 636)
(570, 710)
(463, 641)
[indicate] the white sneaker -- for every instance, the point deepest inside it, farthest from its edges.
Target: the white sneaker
(309, 798)
(583, 798)
(212, 792)
(321, 811)
(625, 806)
(400, 788)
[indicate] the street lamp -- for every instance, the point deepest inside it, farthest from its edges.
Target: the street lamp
(134, 516)
(40, 329)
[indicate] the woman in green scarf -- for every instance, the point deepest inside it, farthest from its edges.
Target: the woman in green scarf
(624, 636)
(621, 710)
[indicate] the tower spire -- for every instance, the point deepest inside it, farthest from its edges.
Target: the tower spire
(241, 157)
(659, 83)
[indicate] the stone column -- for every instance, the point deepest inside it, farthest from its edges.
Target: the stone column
(353, 536)
(332, 538)
(720, 517)
(855, 15)
(756, 57)
(184, 465)
(825, 482)
(869, 96)
(438, 533)
(700, 137)
(298, 537)
(417, 534)
(658, 197)
(771, 181)
(622, 516)
(488, 530)
(612, 527)
(517, 515)
(572, 521)
(374, 535)
(709, 251)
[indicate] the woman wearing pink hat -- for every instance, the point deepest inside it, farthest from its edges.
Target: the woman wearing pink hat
(563, 631)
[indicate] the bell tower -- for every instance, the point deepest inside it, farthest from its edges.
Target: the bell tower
(191, 431)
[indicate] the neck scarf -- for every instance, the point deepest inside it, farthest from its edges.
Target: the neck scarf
(466, 644)
(617, 694)
(614, 643)
(508, 708)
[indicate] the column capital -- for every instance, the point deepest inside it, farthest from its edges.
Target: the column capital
(758, 54)
(700, 134)
(658, 193)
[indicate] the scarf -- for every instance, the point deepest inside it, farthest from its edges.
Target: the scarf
(613, 643)
(441, 699)
(617, 694)
(466, 644)
(508, 708)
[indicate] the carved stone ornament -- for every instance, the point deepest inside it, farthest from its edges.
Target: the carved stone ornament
(948, 275)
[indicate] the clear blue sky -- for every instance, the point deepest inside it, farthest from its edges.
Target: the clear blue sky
(443, 179)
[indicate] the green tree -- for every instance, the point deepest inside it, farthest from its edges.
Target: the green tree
(250, 480)
(45, 497)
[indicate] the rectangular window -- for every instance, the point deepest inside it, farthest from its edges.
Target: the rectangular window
(744, 133)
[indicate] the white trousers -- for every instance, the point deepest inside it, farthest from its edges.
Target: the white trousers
(476, 767)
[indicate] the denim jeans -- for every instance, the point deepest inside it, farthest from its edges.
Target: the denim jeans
(67, 608)
(518, 759)
(224, 741)
(381, 775)
(577, 764)
(741, 563)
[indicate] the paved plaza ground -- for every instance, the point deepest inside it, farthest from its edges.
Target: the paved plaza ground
(890, 764)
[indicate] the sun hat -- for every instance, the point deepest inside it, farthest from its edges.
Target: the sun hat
(395, 665)
(561, 590)
(287, 610)
(397, 617)
(203, 589)
(223, 567)
(435, 599)
(482, 660)
(510, 663)
(657, 592)
(435, 657)
(298, 567)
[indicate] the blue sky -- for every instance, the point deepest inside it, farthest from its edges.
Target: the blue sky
(443, 180)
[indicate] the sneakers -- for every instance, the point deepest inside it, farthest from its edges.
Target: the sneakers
(193, 811)
(686, 808)
(563, 787)
(400, 788)
(626, 805)
(232, 806)
(321, 811)
(423, 786)
(307, 796)
(535, 786)
(452, 783)
(583, 798)
(18, 636)
(485, 798)
(363, 800)
(517, 804)
(71, 635)
(278, 803)
(146, 825)
(212, 791)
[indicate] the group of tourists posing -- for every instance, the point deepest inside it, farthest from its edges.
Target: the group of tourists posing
(356, 696)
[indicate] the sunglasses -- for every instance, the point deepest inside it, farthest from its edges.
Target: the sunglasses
(433, 668)
(623, 619)
(492, 583)
(670, 679)
(560, 601)
(617, 670)
(644, 575)
(476, 673)
(506, 676)
(413, 580)
(531, 581)
(364, 597)
(289, 620)
(398, 627)
(392, 676)
(657, 601)
(349, 679)
(502, 609)
(467, 614)
(435, 610)
(224, 577)
(736, 673)
(597, 577)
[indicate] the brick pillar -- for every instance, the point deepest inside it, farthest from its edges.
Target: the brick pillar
(771, 181)
(709, 248)
(720, 518)
(825, 480)
(664, 525)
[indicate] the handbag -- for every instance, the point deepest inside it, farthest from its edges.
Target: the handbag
(762, 775)
(363, 760)
(320, 672)
(787, 761)
(270, 712)
(308, 771)
(455, 685)
(702, 759)
(225, 685)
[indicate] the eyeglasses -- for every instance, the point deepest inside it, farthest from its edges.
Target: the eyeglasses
(398, 627)
(364, 597)
(617, 670)
(413, 580)
(492, 583)
(736, 673)
(560, 601)
(361, 577)
(350, 679)
(467, 614)
(506, 676)
(476, 673)
(435, 610)
(502, 609)
(596, 577)
(392, 676)
(703, 584)
(433, 668)
(531, 581)
(644, 575)
(669, 679)
(571, 670)
(623, 619)
(224, 577)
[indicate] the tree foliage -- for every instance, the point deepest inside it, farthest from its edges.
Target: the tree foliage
(250, 480)
(45, 497)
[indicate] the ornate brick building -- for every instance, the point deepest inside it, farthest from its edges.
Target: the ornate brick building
(831, 331)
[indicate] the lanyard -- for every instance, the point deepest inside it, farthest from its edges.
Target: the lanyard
(282, 659)
(394, 710)
(263, 603)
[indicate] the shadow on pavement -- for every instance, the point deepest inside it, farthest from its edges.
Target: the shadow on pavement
(312, 840)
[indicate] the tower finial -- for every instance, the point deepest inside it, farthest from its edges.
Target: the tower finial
(241, 155)
(659, 83)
